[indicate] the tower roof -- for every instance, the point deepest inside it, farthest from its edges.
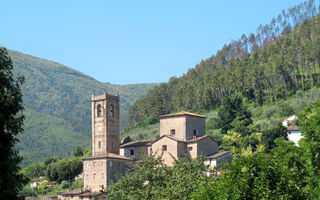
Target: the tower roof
(181, 113)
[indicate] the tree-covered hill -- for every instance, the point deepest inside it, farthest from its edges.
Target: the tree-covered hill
(280, 59)
(57, 102)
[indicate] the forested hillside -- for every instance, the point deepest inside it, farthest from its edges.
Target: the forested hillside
(57, 106)
(280, 59)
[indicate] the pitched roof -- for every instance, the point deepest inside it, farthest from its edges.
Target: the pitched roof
(217, 155)
(181, 113)
(198, 138)
(178, 140)
(136, 144)
(293, 128)
(109, 155)
(73, 192)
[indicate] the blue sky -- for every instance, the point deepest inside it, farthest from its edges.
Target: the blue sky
(130, 41)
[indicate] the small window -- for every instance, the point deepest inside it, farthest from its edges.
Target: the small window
(102, 175)
(131, 152)
(195, 132)
(164, 147)
(87, 176)
(190, 148)
(111, 111)
(110, 163)
(102, 163)
(99, 111)
(99, 144)
(87, 164)
(173, 132)
(94, 175)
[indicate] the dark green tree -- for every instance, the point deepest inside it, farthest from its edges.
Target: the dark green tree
(11, 121)
(269, 135)
(65, 170)
(309, 121)
(78, 152)
(233, 114)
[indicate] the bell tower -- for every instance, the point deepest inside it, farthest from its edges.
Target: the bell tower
(105, 124)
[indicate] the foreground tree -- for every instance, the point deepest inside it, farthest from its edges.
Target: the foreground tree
(152, 180)
(255, 175)
(309, 121)
(11, 121)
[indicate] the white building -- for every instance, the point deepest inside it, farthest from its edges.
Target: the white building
(294, 134)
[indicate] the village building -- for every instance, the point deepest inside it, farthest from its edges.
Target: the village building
(294, 133)
(181, 134)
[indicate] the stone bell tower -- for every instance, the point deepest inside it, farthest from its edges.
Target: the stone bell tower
(105, 124)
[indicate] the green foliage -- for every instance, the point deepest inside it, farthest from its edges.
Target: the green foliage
(27, 191)
(34, 171)
(273, 68)
(11, 122)
(148, 132)
(64, 170)
(151, 179)
(253, 175)
(57, 102)
(234, 115)
(309, 121)
(269, 136)
(78, 152)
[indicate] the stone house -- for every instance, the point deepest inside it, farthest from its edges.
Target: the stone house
(181, 134)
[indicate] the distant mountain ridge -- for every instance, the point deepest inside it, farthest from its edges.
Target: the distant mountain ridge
(57, 106)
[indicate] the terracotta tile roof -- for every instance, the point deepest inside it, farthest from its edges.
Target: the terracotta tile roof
(217, 155)
(109, 155)
(181, 113)
(89, 193)
(197, 138)
(293, 128)
(178, 140)
(136, 144)
(70, 192)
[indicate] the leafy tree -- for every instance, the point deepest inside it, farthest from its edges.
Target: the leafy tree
(50, 160)
(35, 170)
(269, 135)
(151, 179)
(66, 169)
(309, 121)
(78, 152)
(11, 120)
(253, 175)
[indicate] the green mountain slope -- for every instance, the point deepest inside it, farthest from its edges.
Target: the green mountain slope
(275, 63)
(57, 102)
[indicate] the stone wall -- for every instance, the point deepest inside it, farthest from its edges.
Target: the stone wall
(197, 124)
(207, 147)
(177, 123)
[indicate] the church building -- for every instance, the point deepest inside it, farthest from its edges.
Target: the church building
(181, 134)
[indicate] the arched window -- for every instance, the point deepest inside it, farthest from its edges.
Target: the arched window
(111, 111)
(172, 132)
(99, 110)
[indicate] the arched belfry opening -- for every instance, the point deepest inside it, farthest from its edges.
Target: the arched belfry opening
(99, 111)
(111, 112)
